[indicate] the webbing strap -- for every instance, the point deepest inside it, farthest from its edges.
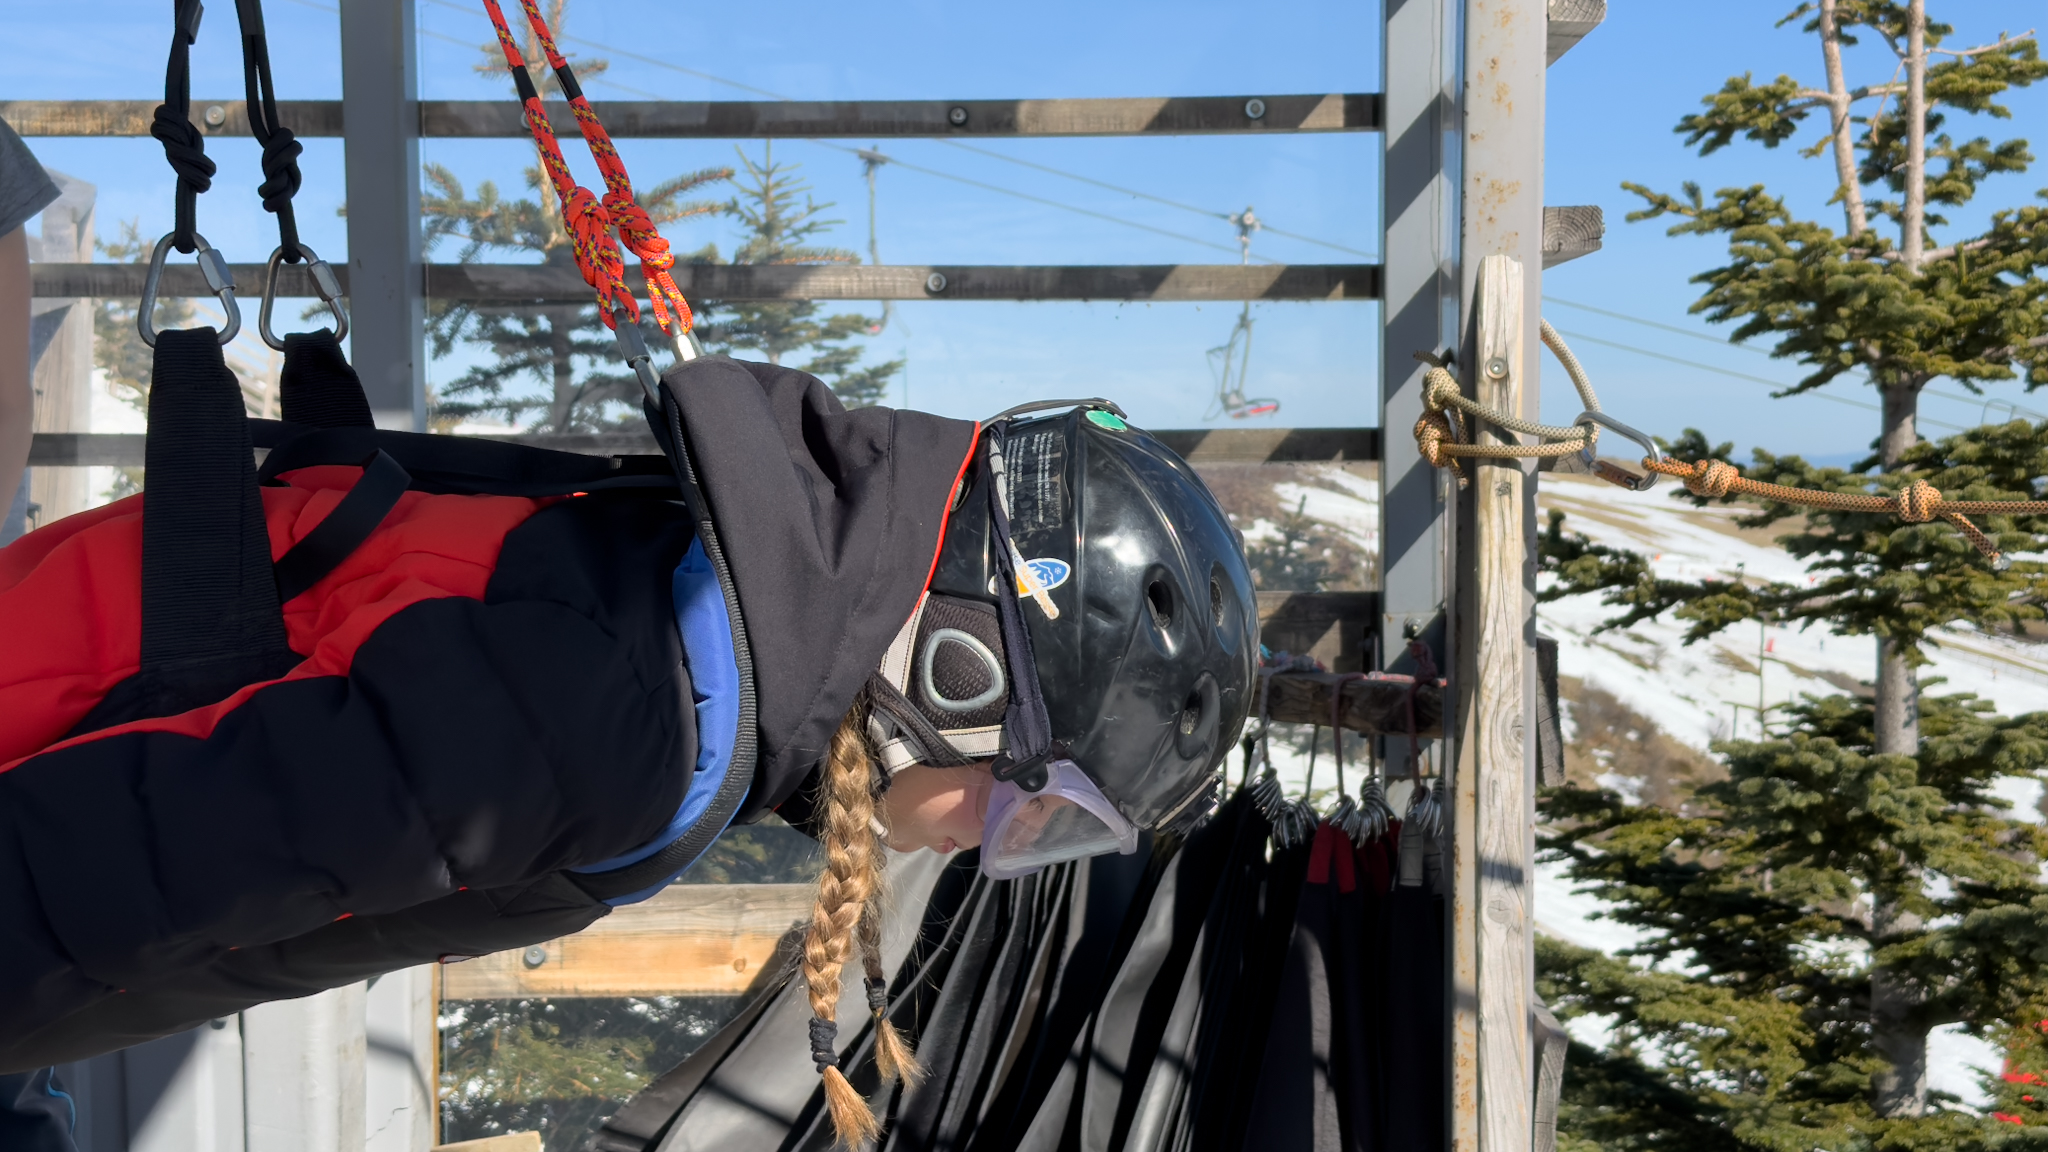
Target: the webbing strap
(317, 387)
(1027, 727)
(207, 590)
(345, 528)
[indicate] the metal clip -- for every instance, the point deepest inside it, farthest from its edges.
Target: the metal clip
(324, 282)
(684, 345)
(1609, 472)
(212, 265)
(633, 346)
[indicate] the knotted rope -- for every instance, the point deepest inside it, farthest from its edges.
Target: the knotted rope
(587, 220)
(636, 228)
(184, 145)
(1440, 442)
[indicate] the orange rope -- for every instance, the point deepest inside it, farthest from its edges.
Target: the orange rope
(636, 227)
(1917, 503)
(1438, 439)
(587, 219)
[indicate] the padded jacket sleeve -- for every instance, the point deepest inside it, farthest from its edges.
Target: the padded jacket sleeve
(473, 745)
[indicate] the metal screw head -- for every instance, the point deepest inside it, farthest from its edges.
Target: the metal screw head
(216, 115)
(935, 283)
(956, 116)
(1497, 367)
(535, 956)
(1255, 108)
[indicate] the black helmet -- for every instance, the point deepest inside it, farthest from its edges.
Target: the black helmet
(1146, 671)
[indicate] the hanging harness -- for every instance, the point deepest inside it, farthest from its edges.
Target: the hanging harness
(212, 597)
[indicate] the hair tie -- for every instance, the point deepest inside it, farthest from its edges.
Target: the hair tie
(878, 996)
(824, 1043)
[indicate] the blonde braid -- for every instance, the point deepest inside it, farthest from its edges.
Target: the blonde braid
(893, 1056)
(850, 883)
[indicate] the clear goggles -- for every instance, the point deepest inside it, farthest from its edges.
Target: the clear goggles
(1068, 819)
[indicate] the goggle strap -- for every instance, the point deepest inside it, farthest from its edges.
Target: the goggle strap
(1027, 726)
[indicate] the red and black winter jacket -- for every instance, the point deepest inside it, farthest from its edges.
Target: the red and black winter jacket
(259, 741)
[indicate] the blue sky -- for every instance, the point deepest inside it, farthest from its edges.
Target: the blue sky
(1612, 103)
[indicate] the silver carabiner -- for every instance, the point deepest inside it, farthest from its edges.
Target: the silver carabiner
(324, 282)
(219, 279)
(1609, 472)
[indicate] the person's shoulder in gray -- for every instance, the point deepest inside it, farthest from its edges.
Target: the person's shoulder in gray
(25, 189)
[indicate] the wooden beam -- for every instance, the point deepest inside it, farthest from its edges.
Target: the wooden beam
(124, 449)
(1272, 445)
(1495, 774)
(687, 939)
(1572, 232)
(1569, 22)
(515, 284)
(1376, 707)
(756, 119)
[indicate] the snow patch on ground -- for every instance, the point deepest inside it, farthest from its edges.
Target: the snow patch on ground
(1711, 690)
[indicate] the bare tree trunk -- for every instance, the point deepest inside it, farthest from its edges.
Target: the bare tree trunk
(1840, 126)
(1913, 243)
(561, 322)
(1900, 1037)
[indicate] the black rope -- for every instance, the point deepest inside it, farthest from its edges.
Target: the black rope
(184, 145)
(281, 148)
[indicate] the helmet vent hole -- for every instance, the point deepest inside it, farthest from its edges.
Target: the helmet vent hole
(1191, 714)
(1160, 598)
(1216, 601)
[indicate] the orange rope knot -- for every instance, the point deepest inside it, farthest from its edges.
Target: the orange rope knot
(1919, 502)
(1432, 432)
(1711, 478)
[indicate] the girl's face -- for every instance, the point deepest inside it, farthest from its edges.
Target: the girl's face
(937, 808)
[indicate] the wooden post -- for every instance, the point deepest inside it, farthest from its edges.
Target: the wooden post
(61, 347)
(1495, 837)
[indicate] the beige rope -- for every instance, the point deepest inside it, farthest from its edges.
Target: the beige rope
(1438, 438)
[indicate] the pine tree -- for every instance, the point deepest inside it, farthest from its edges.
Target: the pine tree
(780, 219)
(564, 348)
(1853, 884)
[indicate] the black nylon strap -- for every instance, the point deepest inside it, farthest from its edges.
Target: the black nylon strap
(1027, 726)
(280, 148)
(466, 464)
(317, 387)
(344, 530)
(932, 746)
(207, 591)
(184, 145)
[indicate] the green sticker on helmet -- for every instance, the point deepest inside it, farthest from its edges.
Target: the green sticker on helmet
(1109, 420)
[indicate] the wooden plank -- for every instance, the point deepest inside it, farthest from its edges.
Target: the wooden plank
(1572, 232)
(124, 449)
(688, 939)
(1376, 707)
(1569, 22)
(222, 117)
(1330, 626)
(1503, 814)
(1272, 445)
(515, 284)
(755, 119)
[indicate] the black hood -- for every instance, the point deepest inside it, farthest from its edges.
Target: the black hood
(830, 520)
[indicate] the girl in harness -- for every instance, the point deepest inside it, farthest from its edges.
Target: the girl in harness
(395, 698)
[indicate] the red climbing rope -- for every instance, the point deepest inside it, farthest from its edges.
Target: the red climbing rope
(589, 220)
(636, 227)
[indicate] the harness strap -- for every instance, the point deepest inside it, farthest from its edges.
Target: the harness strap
(345, 528)
(317, 387)
(211, 618)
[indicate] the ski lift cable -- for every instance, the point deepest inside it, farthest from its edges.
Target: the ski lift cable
(1752, 350)
(656, 62)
